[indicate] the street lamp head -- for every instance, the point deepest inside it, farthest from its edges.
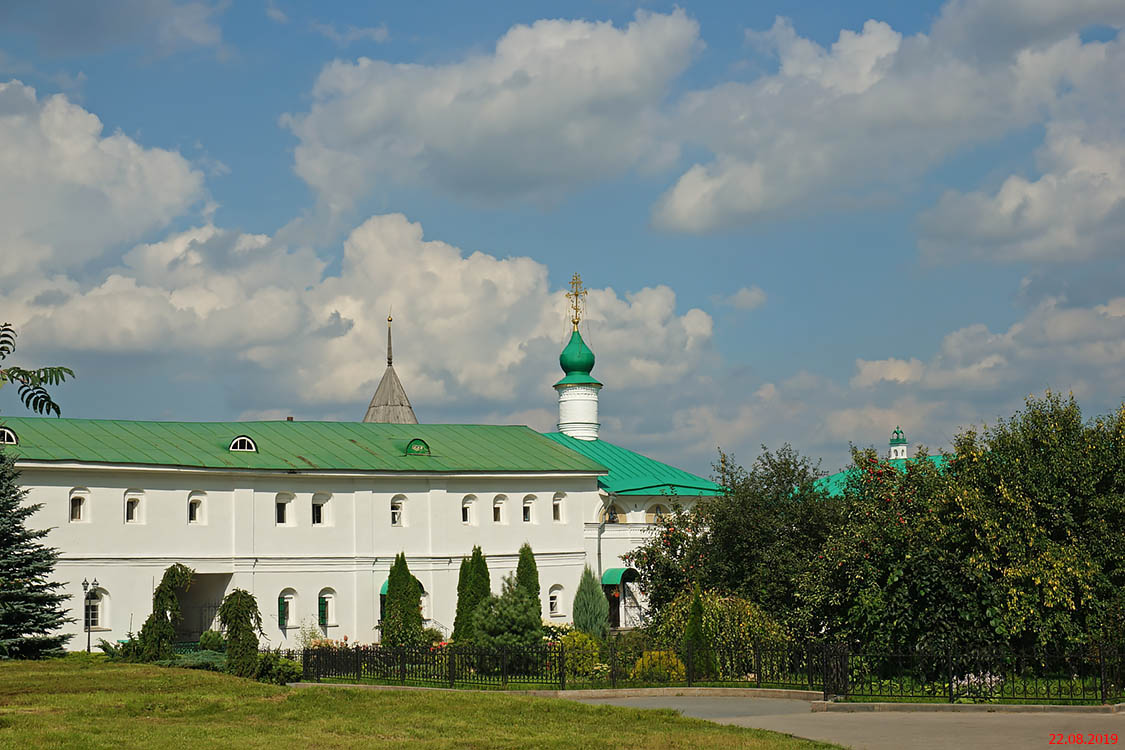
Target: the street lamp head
(95, 583)
(86, 584)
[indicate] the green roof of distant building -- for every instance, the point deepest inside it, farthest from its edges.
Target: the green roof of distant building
(298, 446)
(631, 473)
(834, 484)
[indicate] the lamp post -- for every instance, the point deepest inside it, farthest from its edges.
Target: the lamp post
(89, 593)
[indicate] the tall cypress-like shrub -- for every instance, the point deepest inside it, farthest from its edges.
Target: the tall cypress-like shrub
(158, 634)
(473, 587)
(461, 619)
(242, 623)
(402, 625)
(527, 576)
(30, 607)
(591, 609)
(704, 661)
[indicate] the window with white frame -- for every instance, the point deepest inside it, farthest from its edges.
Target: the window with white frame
(8, 437)
(96, 610)
(529, 509)
(554, 601)
(287, 608)
(243, 444)
(467, 504)
(655, 513)
(197, 508)
(398, 510)
(498, 508)
(557, 507)
(326, 608)
(281, 509)
(79, 505)
(133, 507)
(321, 510)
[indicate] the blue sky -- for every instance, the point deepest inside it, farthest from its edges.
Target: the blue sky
(802, 222)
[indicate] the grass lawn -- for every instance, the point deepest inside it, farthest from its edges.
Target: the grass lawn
(84, 702)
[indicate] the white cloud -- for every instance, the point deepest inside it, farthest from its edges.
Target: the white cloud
(746, 298)
(275, 13)
(556, 105)
(870, 372)
(352, 33)
(68, 192)
(837, 126)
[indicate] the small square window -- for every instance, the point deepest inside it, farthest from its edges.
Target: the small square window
(496, 514)
(396, 514)
(464, 514)
(527, 514)
(77, 508)
(318, 514)
(556, 511)
(132, 510)
(281, 509)
(553, 604)
(193, 511)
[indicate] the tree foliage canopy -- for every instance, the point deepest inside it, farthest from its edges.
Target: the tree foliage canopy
(158, 634)
(402, 623)
(31, 385)
(30, 606)
(511, 620)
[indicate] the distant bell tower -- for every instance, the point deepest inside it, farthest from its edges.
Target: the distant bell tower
(578, 390)
(898, 444)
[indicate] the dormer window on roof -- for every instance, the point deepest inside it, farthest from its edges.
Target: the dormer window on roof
(244, 444)
(7, 437)
(417, 447)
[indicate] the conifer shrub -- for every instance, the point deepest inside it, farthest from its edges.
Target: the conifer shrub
(527, 575)
(508, 622)
(473, 586)
(212, 640)
(402, 625)
(31, 610)
(242, 622)
(659, 666)
(210, 661)
(158, 634)
(591, 609)
(704, 663)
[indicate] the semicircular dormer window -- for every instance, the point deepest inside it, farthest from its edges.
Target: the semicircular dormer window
(417, 447)
(8, 437)
(243, 444)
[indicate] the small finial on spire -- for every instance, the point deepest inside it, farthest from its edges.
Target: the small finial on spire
(577, 297)
(390, 357)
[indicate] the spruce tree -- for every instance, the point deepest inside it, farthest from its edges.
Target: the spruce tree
(30, 607)
(510, 620)
(473, 587)
(527, 576)
(402, 625)
(591, 609)
(464, 612)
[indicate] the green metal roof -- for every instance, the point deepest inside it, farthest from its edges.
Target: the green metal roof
(630, 473)
(304, 446)
(614, 576)
(387, 583)
(834, 484)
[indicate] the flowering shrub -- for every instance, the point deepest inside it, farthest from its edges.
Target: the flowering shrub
(980, 685)
(581, 654)
(659, 666)
(729, 622)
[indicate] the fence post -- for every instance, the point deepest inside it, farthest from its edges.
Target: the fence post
(357, 666)
(402, 664)
(690, 662)
(949, 671)
(562, 667)
(504, 666)
(612, 662)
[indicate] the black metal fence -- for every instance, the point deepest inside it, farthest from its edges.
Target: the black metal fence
(1096, 675)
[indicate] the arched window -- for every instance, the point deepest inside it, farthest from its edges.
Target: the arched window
(8, 437)
(326, 608)
(398, 510)
(287, 609)
(321, 511)
(555, 601)
(244, 444)
(498, 508)
(281, 508)
(79, 505)
(467, 504)
(424, 605)
(529, 509)
(655, 513)
(197, 508)
(557, 507)
(96, 609)
(612, 514)
(134, 507)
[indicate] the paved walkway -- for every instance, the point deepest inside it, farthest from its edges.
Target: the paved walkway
(886, 731)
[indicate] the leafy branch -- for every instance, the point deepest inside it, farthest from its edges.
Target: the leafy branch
(31, 385)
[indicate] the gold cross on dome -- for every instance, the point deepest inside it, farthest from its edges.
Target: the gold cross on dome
(577, 298)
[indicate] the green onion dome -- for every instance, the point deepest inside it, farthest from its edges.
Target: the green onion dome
(577, 361)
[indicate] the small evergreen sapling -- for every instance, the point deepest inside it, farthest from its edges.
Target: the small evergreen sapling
(242, 623)
(527, 576)
(704, 663)
(591, 609)
(30, 607)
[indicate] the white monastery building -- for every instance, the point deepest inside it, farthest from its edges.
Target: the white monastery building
(308, 516)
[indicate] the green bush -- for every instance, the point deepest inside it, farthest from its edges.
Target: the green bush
(274, 669)
(729, 622)
(212, 640)
(130, 650)
(659, 666)
(432, 636)
(210, 661)
(581, 654)
(553, 633)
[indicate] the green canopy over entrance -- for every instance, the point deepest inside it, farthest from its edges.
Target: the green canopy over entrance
(615, 576)
(383, 590)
